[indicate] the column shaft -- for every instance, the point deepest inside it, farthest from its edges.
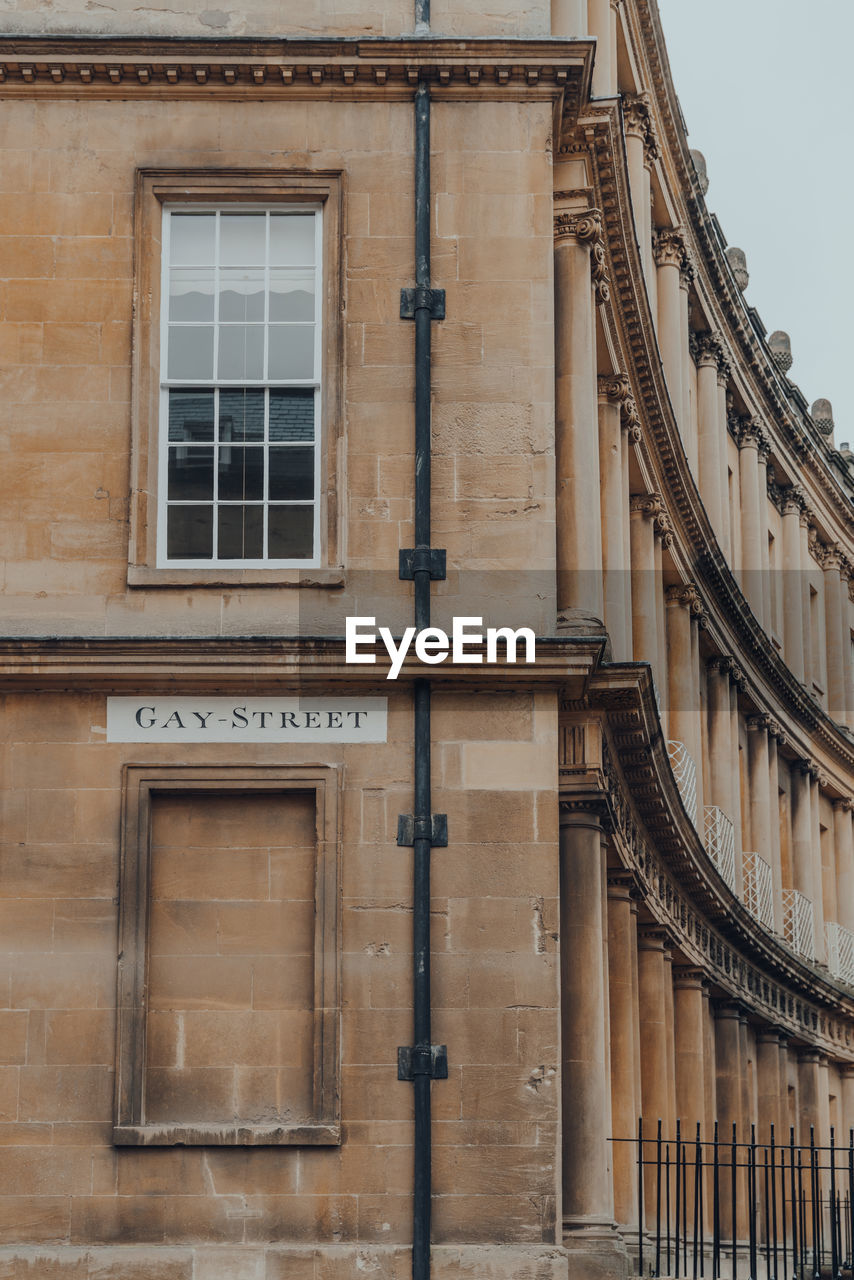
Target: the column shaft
(736, 788)
(818, 875)
(836, 673)
(569, 18)
(759, 789)
(644, 581)
(614, 518)
(843, 840)
(792, 590)
(587, 1189)
(669, 253)
(710, 442)
(625, 1104)
(811, 668)
(721, 768)
(751, 551)
(770, 1090)
(776, 850)
(605, 65)
(579, 535)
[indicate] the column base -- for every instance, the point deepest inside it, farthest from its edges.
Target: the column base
(595, 1249)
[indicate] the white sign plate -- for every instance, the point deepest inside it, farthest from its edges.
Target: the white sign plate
(246, 719)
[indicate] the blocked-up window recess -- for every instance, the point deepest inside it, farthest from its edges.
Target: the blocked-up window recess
(228, 990)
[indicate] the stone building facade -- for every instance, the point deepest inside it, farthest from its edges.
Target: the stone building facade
(645, 904)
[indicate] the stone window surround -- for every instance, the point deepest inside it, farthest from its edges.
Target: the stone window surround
(139, 784)
(155, 188)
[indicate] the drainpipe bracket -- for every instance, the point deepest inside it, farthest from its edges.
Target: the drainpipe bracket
(432, 560)
(429, 1060)
(434, 829)
(422, 298)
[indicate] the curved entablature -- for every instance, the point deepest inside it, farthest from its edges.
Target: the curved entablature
(613, 762)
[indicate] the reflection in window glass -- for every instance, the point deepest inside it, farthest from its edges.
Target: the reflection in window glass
(239, 469)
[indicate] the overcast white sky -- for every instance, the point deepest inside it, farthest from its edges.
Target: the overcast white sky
(765, 89)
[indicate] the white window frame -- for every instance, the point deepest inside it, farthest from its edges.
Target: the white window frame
(215, 384)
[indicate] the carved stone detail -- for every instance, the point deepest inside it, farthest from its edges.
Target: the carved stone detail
(586, 227)
(614, 386)
(669, 247)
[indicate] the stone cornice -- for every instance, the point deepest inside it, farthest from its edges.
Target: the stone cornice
(275, 664)
(131, 67)
(731, 625)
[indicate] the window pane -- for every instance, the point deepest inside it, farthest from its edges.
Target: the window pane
(290, 533)
(241, 352)
(191, 415)
(191, 472)
(241, 295)
(291, 474)
(291, 415)
(291, 351)
(241, 414)
(190, 353)
(191, 295)
(192, 239)
(241, 472)
(291, 239)
(291, 295)
(242, 239)
(189, 533)
(241, 533)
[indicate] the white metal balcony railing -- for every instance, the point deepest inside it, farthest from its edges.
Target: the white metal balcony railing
(798, 923)
(758, 889)
(840, 951)
(720, 842)
(685, 773)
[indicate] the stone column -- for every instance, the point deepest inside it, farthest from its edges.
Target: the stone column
(736, 681)
(775, 734)
(712, 435)
(613, 392)
(803, 859)
(811, 668)
(653, 975)
(669, 252)
(579, 535)
(625, 1104)
(687, 423)
(641, 150)
(770, 1089)
(846, 1075)
(683, 675)
(588, 1200)
(721, 767)
(791, 583)
(605, 65)
(843, 841)
(836, 655)
(662, 538)
(569, 18)
(750, 435)
(729, 1069)
(689, 995)
(762, 456)
(809, 1089)
(632, 434)
(818, 873)
(759, 789)
(643, 512)
(847, 571)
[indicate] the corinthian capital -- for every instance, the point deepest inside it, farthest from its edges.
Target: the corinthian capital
(639, 123)
(669, 248)
(793, 500)
(648, 504)
(709, 350)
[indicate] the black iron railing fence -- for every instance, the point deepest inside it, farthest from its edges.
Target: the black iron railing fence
(744, 1209)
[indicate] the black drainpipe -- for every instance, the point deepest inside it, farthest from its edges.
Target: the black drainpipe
(422, 1062)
